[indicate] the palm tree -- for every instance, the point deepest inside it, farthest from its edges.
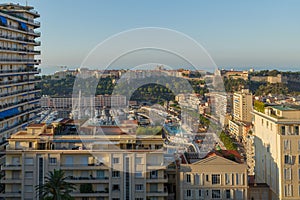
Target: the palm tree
(55, 187)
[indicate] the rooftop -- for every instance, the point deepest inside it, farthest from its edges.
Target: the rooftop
(283, 108)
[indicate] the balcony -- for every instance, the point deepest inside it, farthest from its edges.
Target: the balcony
(22, 102)
(157, 179)
(91, 179)
(30, 21)
(18, 29)
(157, 193)
(11, 167)
(92, 194)
(19, 71)
(83, 167)
(11, 194)
(21, 92)
(18, 50)
(19, 61)
(21, 123)
(18, 82)
(11, 180)
(20, 40)
(156, 167)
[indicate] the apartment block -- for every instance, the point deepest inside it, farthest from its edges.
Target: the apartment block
(19, 97)
(114, 165)
(277, 150)
(242, 106)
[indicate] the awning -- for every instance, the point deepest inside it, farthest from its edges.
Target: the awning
(23, 26)
(9, 113)
(3, 20)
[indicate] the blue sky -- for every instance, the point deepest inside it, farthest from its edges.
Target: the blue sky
(256, 33)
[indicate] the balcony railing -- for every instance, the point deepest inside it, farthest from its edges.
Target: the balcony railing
(33, 61)
(11, 94)
(23, 18)
(7, 83)
(37, 43)
(87, 178)
(19, 29)
(20, 50)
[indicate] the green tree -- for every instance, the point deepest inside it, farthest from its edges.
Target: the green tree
(55, 187)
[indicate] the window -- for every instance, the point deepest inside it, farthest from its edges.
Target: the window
(288, 190)
(100, 173)
(262, 122)
(116, 187)
(283, 130)
(139, 187)
(30, 145)
(28, 174)
(287, 145)
(200, 193)
(298, 145)
(138, 174)
(299, 174)
(138, 160)
(228, 179)
(52, 161)
(287, 173)
(215, 178)
(227, 194)
(188, 193)
(28, 188)
(139, 198)
(296, 130)
(288, 159)
(188, 178)
(216, 194)
(207, 178)
(237, 179)
(154, 174)
(271, 126)
(28, 161)
(116, 160)
(115, 174)
(197, 179)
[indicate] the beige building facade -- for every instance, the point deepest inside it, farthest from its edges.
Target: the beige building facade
(277, 147)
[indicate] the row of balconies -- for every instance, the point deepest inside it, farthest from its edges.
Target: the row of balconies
(34, 69)
(18, 103)
(29, 110)
(5, 49)
(8, 83)
(20, 92)
(30, 21)
(14, 60)
(20, 39)
(16, 28)
(21, 122)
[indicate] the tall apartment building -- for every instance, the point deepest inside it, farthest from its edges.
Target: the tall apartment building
(18, 94)
(115, 165)
(214, 177)
(242, 106)
(277, 150)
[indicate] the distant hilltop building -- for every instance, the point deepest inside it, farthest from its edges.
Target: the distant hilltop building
(233, 74)
(19, 97)
(270, 79)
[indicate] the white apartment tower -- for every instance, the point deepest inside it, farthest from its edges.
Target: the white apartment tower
(19, 101)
